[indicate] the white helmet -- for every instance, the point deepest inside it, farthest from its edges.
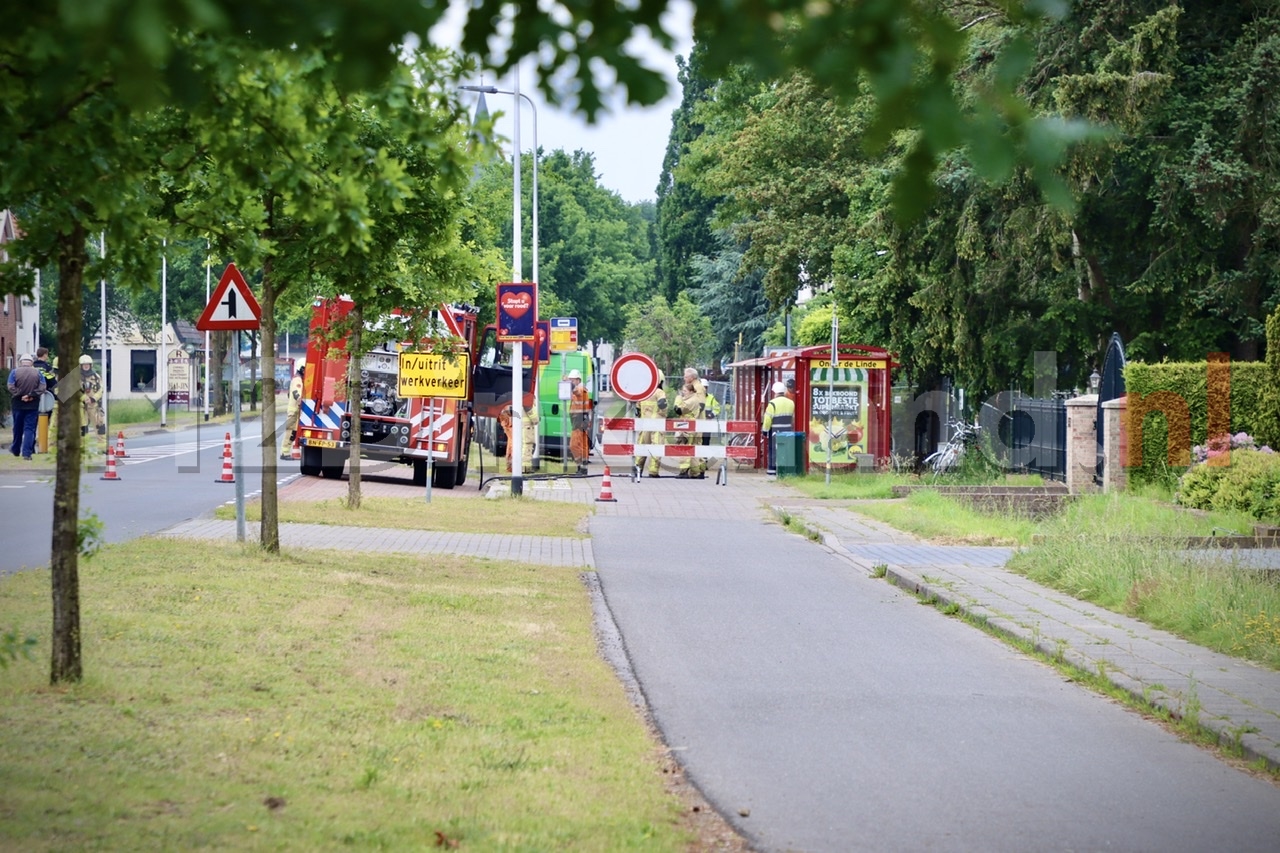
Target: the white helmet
(86, 359)
(779, 388)
(574, 374)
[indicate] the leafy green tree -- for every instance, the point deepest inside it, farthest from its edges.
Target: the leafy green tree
(684, 211)
(733, 300)
(674, 335)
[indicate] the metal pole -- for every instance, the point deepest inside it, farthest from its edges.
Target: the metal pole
(239, 475)
(164, 322)
(208, 268)
(517, 274)
(831, 384)
(102, 248)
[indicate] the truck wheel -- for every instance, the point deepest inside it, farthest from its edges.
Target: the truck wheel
(332, 471)
(462, 473)
(442, 476)
(419, 472)
(310, 466)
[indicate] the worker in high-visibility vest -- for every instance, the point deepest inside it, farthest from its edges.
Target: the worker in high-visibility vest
(579, 420)
(691, 399)
(528, 435)
(779, 416)
(653, 406)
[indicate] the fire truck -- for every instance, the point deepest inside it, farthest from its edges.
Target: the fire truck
(405, 430)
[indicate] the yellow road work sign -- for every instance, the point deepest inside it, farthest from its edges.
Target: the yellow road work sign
(425, 374)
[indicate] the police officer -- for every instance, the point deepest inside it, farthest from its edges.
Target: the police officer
(653, 406)
(291, 413)
(779, 416)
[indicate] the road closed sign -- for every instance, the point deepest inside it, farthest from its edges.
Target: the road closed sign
(634, 376)
(428, 374)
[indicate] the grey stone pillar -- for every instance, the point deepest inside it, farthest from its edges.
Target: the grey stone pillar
(1115, 477)
(1082, 443)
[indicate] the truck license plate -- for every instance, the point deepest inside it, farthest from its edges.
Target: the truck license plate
(321, 442)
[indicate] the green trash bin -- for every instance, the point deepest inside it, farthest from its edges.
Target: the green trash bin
(789, 447)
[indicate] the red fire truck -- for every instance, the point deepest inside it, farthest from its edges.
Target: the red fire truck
(406, 430)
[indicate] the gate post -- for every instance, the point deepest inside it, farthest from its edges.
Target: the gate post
(1082, 443)
(1115, 445)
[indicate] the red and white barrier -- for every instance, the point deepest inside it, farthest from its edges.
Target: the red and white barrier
(628, 428)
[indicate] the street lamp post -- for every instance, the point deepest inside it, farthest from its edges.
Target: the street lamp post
(517, 349)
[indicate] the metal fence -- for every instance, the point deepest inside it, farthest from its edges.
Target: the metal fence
(1032, 435)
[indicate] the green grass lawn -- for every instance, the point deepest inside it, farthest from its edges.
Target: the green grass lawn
(323, 700)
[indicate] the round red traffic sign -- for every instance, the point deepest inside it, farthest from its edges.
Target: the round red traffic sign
(634, 376)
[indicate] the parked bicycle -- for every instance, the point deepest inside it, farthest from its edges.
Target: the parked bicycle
(948, 457)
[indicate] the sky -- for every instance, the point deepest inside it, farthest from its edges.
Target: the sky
(628, 144)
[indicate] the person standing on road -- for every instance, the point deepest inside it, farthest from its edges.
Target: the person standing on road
(690, 402)
(579, 419)
(653, 406)
(47, 399)
(291, 413)
(90, 397)
(528, 435)
(26, 385)
(779, 416)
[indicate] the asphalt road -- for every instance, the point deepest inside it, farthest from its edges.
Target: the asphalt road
(823, 710)
(166, 478)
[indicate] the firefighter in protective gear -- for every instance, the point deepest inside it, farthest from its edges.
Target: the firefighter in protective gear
(291, 413)
(691, 399)
(653, 406)
(528, 434)
(779, 416)
(90, 397)
(579, 419)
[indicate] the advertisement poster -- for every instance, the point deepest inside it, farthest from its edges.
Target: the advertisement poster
(517, 311)
(837, 414)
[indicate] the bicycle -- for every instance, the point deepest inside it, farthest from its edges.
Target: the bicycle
(946, 459)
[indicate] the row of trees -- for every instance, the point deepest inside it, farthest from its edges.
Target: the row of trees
(1159, 223)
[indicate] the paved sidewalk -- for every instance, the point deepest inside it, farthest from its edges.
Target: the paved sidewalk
(1238, 701)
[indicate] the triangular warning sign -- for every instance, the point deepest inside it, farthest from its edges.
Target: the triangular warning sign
(231, 306)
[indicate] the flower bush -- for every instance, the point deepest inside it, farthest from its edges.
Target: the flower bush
(1249, 483)
(1219, 444)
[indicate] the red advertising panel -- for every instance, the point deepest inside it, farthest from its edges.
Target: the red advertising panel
(517, 311)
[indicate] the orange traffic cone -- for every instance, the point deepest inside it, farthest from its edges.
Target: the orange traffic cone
(120, 454)
(296, 452)
(228, 474)
(606, 488)
(110, 473)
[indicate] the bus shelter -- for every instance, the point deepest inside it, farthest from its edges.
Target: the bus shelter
(842, 410)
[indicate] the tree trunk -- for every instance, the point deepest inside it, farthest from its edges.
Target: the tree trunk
(270, 441)
(355, 347)
(65, 662)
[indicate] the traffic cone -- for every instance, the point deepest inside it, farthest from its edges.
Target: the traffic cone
(110, 473)
(120, 454)
(606, 488)
(296, 452)
(228, 473)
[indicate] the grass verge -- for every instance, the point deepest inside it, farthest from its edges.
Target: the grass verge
(321, 700)
(930, 515)
(512, 516)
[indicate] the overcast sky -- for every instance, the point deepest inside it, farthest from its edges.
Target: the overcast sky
(628, 145)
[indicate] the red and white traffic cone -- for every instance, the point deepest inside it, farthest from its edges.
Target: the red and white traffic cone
(296, 452)
(606, 488)
(228, 473)
(120, 454)
(110, 473)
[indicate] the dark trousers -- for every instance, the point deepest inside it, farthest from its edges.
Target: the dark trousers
(25, 422)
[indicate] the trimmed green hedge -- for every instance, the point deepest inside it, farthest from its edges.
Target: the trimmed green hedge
(1175, 400)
